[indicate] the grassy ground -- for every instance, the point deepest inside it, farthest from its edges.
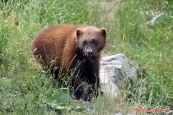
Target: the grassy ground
(25, 90)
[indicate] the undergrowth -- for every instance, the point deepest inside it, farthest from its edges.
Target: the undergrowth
(24, 89)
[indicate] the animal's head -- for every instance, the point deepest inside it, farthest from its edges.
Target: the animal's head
(90, 40)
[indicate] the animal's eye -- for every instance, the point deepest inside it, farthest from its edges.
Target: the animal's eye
(84, 42)
(95, 42)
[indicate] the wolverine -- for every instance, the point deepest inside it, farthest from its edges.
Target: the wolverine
(74, 48)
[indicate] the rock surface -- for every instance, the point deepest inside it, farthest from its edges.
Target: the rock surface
(159, 18)
(116, 72)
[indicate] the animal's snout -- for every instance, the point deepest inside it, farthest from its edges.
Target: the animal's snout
(89, 52)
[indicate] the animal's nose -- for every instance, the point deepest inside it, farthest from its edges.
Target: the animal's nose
(89, 52)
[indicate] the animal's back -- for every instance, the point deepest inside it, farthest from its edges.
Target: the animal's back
(55, 43)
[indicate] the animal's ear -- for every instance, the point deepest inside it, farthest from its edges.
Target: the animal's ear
(78, 32)
(103, 32)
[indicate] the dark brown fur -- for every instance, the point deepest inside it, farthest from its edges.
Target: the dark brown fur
(76, 47)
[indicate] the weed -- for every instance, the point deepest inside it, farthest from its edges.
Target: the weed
(128, 33)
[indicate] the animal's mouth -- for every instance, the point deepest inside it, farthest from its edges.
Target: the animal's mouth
(87, 55)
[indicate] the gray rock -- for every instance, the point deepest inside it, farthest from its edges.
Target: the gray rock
(122, 114)
(119, 113)
(157, 19)
(116, 72)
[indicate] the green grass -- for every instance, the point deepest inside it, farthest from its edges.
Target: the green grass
(25, 90)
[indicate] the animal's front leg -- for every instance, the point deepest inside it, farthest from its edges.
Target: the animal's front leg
(92, 70)
(76, 81)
